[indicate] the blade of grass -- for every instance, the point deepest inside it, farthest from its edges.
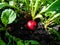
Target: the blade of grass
(36, 6)
(47, 22)
(32, 10)
(47, 8)
(27, 4)
(54, 31)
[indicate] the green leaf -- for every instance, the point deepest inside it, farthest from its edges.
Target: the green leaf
(39, 16)
(36, 6)
(57, 20)
(33, 42)
(55, 32)
(55, 16)
(8, 16)
(3, 5)
(2, 42)
(51, 20)
(54, 6)
(26, 42)
(2, 29)
(11, 3)
(32, 8)
(50, 13)
(27, 4)
(20, 42)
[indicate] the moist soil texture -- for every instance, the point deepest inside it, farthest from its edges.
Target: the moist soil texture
(20, 30)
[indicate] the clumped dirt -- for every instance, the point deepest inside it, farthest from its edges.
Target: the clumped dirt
(20, 30)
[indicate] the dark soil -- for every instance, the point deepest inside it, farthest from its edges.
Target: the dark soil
(20, 30)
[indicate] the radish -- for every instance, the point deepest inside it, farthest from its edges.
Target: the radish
(31, 24)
